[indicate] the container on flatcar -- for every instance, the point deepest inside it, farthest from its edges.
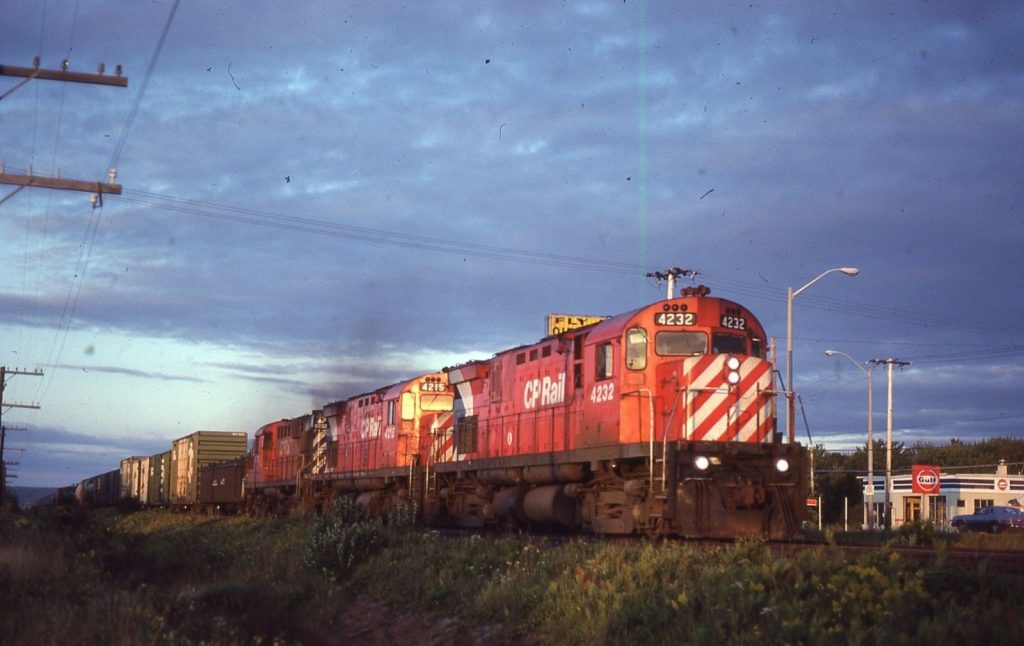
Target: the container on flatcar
(221, 485)
(192, 452)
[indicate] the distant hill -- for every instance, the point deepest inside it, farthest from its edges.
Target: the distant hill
(29, 495)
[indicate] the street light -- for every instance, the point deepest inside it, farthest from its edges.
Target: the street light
(871, 438)
(790, 295)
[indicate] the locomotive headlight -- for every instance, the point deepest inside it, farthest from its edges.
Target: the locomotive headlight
(701, 462)
(782, 465)
(733, 364)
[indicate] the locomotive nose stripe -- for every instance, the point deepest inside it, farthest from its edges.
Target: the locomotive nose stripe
(719, 412)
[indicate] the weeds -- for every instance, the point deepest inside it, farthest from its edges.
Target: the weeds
(158, 578)
(347, 536)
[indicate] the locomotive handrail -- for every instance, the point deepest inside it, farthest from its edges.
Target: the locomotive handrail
(664, 436)
(650, 397)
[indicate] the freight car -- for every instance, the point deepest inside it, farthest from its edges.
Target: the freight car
(221, 486)
(103, 490)
(191, 453)
(661, 420)
(171, 478)
(158, 488)
(135, 479)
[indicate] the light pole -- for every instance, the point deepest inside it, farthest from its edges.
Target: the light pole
(871, 438)
(888, 436)
(790, 295)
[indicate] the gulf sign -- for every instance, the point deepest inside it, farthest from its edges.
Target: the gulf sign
(925, 479)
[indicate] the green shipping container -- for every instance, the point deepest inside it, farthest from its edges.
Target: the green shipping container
(192, 452)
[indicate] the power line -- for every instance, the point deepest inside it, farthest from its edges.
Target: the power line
(142, 88)
(367, 234)
(297, 224)
(85, 254)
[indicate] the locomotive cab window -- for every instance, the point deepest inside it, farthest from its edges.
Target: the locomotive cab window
(636, 348)
(728, 344)
(408, 407)
(435, 402)
(757, 348)
(680, 344)
(604, 362)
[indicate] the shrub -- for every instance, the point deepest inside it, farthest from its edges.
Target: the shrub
(347, 535)
(916, 533)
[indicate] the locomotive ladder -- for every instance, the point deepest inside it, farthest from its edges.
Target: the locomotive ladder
(664, 445)
(429, 479)
(663, 486)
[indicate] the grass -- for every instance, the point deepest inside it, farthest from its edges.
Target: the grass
(68, 576)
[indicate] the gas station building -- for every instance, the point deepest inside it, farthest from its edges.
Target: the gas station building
(954, 494)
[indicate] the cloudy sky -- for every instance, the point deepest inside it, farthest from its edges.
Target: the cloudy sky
(323, 197)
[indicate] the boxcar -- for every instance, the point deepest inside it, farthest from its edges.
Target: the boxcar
(221, 486)
(192, 452)
(135, 479)
(158, 489)
(103, 490)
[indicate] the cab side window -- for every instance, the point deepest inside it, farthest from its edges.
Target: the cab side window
(636, 348)
(604, 362)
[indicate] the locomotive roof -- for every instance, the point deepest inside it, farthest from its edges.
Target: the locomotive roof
(384, 390)
(615, 326)
(598, 331)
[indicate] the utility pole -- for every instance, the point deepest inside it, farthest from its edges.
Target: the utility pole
(670, 275)
(34, 72)
(58, 182)
(4, 372)
(888, 436)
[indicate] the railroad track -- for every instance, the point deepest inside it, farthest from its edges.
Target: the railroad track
(994, 560)
(1001, 561)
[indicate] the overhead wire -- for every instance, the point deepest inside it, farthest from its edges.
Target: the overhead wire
(367, 234)
(395, 238)
(85, 252)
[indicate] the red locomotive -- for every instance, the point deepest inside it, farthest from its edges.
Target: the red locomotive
(369, 446)
(660, 421)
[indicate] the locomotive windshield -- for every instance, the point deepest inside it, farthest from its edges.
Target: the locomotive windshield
(728, 344)
(686, 344)
(435, 402)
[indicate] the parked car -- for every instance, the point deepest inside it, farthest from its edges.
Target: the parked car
(991, 519)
